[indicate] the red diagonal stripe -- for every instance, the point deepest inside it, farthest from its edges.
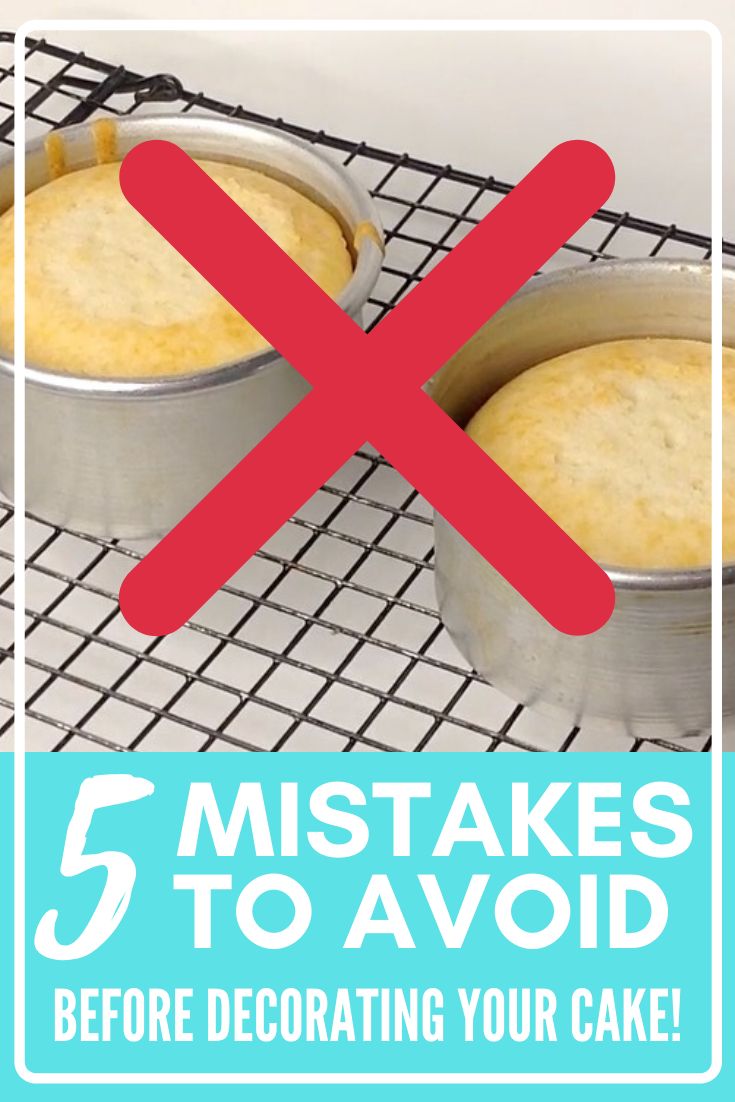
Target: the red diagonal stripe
(502, 522)
(495, 259)
(238, 516)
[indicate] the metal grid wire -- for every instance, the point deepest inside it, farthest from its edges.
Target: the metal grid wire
(329, 639)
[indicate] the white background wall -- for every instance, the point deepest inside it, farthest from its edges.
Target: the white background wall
(490, 102)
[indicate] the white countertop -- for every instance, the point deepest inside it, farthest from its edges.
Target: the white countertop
(491, 102)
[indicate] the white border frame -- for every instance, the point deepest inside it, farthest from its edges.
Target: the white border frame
(345, 25)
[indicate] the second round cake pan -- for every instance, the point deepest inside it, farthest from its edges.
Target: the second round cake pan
(649, 667)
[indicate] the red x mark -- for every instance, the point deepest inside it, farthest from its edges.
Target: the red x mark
(366, 386)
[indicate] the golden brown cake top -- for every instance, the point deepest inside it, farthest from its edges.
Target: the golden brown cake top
(613, 442)
(107, 296)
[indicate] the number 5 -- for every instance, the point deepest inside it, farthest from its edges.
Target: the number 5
(94, 793)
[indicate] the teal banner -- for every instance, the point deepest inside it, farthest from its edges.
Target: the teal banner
(451, 915)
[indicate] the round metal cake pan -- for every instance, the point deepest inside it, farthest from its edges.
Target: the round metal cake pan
(129, 457)
(649, 669)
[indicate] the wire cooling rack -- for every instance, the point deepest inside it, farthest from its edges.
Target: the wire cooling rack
(329, 639)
